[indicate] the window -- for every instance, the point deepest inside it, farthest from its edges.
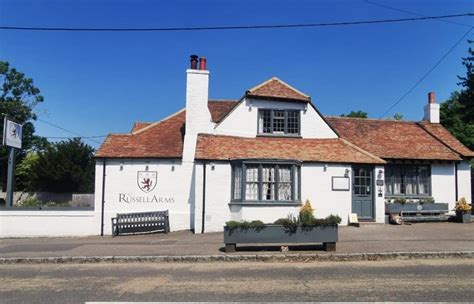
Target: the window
(279, 122)
(265, 182)
(408, 180)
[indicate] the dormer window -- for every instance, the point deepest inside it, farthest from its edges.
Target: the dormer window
(278, 122)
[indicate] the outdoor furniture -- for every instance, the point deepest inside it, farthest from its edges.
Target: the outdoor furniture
(140, 222)
(424, 216)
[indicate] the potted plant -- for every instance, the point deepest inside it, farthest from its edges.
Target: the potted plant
(463, 211)
(303, 229)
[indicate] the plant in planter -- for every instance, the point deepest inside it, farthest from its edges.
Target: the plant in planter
(301, 229)
(463, 211)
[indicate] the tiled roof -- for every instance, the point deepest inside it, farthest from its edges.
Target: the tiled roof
(442, 134)
(139, 125)
(390, 139)
(277, 89)
(335, 150)
(162, 139)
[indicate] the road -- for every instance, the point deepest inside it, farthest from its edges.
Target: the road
(410, 280)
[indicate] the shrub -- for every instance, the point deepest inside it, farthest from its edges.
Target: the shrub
(400, 200)
(463, 206)
(245, 224)
(306, 214)
(427, 200)
(31, 202)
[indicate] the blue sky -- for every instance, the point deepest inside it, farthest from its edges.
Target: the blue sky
(99, 83)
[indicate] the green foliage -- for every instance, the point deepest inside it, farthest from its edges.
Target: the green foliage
(31, 202)
(357, 114)
(292, 223)
(400, 200)
(398, 116)
(66, 166)
(457, 113)
(245, 224)
(306, 213)
(18, 97)
(427, 200)
(24, 169)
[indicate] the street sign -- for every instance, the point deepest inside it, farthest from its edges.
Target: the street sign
(12, 134)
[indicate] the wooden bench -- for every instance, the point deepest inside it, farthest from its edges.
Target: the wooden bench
(140, 222)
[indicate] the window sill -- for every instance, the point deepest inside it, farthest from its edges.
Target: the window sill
(279, 135)
(264, 203)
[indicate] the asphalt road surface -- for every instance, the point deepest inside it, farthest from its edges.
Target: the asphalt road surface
(409, 280)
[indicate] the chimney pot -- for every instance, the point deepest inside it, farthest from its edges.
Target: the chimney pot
(202, 63)
(194, 61)
(431, 97)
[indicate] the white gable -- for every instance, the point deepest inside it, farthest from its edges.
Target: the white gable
(243, 119)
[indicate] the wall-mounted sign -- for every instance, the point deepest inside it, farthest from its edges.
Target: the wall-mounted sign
(146, 180)
(340, 183)
(380, 182)
(12, 134)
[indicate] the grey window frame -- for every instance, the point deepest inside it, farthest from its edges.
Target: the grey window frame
(272, 111)
(295, 174)
(391, 179)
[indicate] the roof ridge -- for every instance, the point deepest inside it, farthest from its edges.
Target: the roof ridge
(372, 119)
(441, 141)
(157, 122)
(361, 150)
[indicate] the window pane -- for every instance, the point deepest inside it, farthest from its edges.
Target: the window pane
(237, 182)
(251, 191)
(296, 177)
(284, 184)
(266, 121)
(268, 183)
(397, 181)
(424, 180)
(410, 180)
(251, 173)
(251, 183)
(293, 122)
(388, 180)
(278, 121)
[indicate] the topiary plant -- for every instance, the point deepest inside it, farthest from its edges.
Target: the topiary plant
(306, 216)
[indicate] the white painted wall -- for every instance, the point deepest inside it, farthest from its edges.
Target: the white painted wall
(379, 173)
(40, 223)
(316, 185)
(443, 184)
(174, 190)
(243, 120)
(198, 117)
(464, 181)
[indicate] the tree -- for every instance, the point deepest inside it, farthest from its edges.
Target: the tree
(18, 97)
(66, 166)
(359, 114)
(398, 116)
(457, 113)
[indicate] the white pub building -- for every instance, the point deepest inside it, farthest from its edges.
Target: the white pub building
(260, 157)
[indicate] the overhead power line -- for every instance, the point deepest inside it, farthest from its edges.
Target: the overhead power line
(413, 13)
(66, 137)
(232, 27)
(427, 73)
(69, 131)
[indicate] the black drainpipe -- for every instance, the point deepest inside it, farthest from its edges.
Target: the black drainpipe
(203, 196)
(103, 198)
(456, 180)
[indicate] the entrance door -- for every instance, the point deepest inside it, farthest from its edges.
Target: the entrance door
(362, 192)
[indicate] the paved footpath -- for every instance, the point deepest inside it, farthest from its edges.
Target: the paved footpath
(369, 238)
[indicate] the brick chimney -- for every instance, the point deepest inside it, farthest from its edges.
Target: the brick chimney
(198, 117)
(432, 109)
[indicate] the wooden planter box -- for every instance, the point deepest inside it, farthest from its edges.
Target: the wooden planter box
(279, 235)
(398, 208)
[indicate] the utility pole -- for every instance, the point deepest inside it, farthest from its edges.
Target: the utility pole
(10, 177)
